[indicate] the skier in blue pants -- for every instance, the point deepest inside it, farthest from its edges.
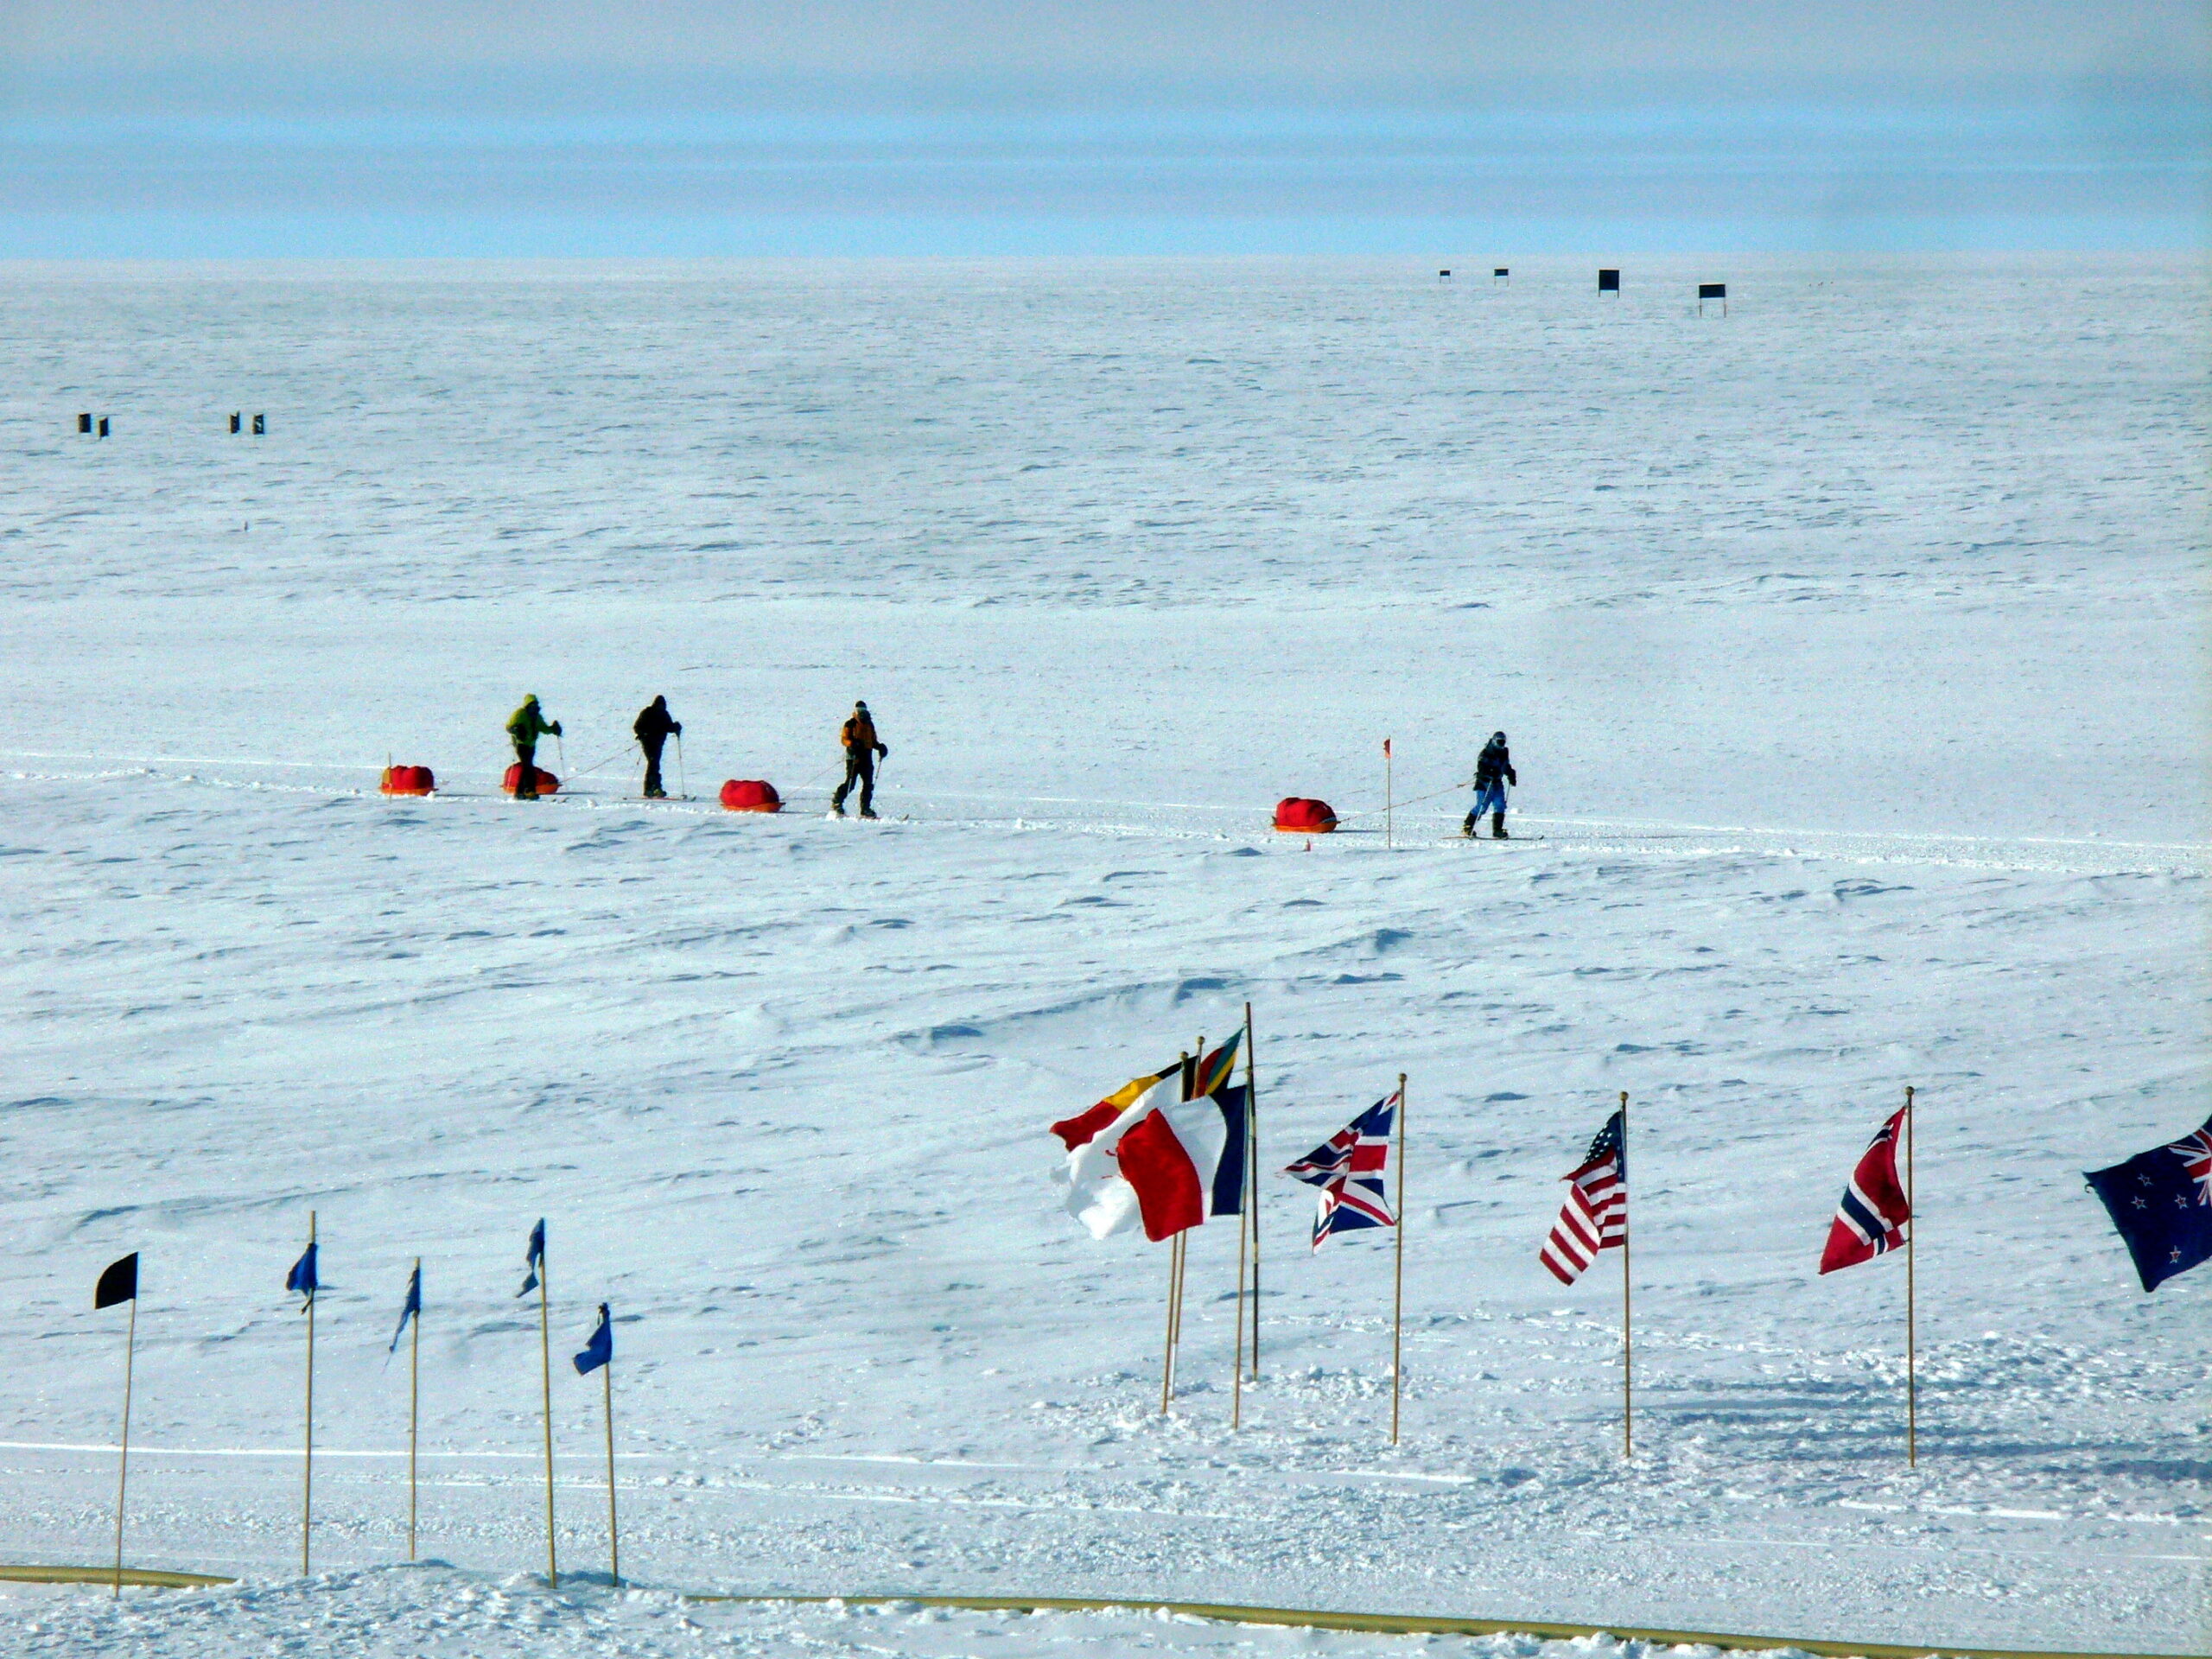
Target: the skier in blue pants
(1493, 771)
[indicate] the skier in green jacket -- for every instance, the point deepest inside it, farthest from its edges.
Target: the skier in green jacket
(525, 727)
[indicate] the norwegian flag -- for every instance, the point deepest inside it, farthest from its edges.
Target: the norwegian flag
(1595, 1216)
(1349, 1169)
(1873, 1217)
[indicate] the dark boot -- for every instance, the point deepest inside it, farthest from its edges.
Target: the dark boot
(1497, 827)
(1468, 826)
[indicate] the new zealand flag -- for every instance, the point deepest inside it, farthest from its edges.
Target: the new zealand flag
(2161, 1201)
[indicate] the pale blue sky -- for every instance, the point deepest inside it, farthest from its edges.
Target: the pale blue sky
(965, 126)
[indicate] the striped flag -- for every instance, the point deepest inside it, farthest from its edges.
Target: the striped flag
(1595, 1216)
(1873, 1218)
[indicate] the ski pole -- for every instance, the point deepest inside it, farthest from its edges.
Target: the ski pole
(561, 749)
(682, 789)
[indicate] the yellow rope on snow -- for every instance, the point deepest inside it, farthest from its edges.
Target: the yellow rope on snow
(1424, 1625)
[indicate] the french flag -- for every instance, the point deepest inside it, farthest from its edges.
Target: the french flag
(1163, 1162)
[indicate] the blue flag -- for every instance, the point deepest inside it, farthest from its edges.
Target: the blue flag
(2161, 1202)
(600, 1350)
(301, 1277)
(411, 1309)
(537, 1258)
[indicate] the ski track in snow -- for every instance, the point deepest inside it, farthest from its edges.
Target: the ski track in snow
(780, 1085)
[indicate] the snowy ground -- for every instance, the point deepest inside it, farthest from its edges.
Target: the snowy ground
(1852, 651)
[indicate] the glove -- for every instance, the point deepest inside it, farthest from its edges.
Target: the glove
(883, 752)
(554, 729)
(676, 727)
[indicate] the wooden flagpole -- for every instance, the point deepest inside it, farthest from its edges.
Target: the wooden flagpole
(1237, 1372)
(306, 1471)
(613, 1536)
(1911, 1310)
(1252, 1177)
(414, 1411)
(1182, 1251)
(1398, 1287)
(545, 1372)
(1168, 1355)
(1389, 806)
(1628, 1339)
(1174, 1281)
(123, 1468)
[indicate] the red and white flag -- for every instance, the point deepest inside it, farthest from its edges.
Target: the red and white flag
(1160, 1160)
(1872, 1217)
(1595, 1216)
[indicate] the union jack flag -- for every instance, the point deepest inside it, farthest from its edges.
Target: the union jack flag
(2196, 1154)
(1349, 1168)
(1595, 1216)
(1873, 1217)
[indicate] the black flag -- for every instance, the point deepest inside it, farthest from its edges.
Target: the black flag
(118, 1284)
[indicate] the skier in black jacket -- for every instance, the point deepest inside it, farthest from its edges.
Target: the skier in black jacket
(652, 728)
(1493, 771)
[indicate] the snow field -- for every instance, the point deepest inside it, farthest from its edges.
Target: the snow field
(1862, 713)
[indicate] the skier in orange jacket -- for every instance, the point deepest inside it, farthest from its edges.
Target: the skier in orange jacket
(863, 749)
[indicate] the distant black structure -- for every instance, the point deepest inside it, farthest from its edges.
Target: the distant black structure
(1443, 276)
(1609, 282)
(236, 421)
(260, 425)
(1501, 275)
(103, 426)
(1712, 291)
(85, 424)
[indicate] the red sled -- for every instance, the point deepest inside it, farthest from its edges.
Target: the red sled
(547, 783)
(751, 794)
(406, 780)
(1298, 816)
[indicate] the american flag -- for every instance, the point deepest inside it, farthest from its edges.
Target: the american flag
(1595, 1216)
(1348, 1168)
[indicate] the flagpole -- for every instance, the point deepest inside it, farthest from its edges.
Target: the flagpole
(1628, 1340)
(545, 1373)
(1236, 1369)
(1252, 1178)
(613, 1537)
(1182, 1265)
(306, 1468)
(1398, 1287)
(414, 1412)
(1168, 1355)
(1911, 1311)
(123, 1468)
(1389, 808)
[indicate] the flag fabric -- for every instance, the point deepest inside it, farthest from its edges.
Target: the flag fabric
(1185, 1160)
(410, 1309)
(1349, 1167)
(1097, 1195)
(2161, 1202)
(600, 1350)
(1215, 1069)
(1082, 1128)
(1164, 1163)
(1873, 1218)
(1595, 1216)
(535, 1258)
(118, 1283)
(303, 1279)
